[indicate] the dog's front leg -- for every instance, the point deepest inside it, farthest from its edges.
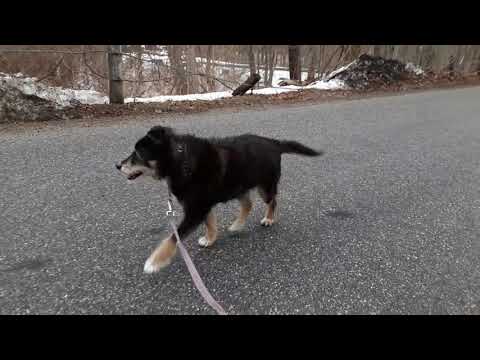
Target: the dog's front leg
(164, 253)
(211, 233)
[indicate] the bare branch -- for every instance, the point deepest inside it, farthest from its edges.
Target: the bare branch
(52, 71)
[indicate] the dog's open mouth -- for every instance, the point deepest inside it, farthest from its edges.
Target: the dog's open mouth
(134, 175)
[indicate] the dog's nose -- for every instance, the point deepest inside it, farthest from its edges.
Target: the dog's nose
(118, 166)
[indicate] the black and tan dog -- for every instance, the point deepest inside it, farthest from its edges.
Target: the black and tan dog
(204, 172)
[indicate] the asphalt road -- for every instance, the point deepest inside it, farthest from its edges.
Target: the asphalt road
(387, 222)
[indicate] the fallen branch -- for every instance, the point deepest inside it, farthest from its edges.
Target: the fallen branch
(247, 85)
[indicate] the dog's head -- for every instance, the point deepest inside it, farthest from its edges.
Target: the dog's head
(150, 155)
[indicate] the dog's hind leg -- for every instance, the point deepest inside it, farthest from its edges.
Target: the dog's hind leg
(270, 213)
(245, 208)
(269, 195)
(211, 230)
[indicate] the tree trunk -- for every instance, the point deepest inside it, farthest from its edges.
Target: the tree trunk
(294, 63)
(402, 53)
(258, 60)
(271, 66)
(355, 51)
(313, 62)
(192, 78)
(138, 74)
(477, 65)
(428, 57)
(263, 60)
(251, 60)
(419, 54)
(321, 55)
(177, 69)
(209, 69)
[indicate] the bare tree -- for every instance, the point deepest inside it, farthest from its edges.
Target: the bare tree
(313, 49)
(138, 68)
(192, 79)
(209, 68)
(294, 62)
(354, 52)
(272, 62)
(178, 71)
(269, 62)
(251, 60)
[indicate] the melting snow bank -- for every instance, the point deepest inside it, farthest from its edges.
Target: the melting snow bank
(15, 105)
(334, 84)
(211, 96)
(60, 96)
(320, 85)
(67, 97)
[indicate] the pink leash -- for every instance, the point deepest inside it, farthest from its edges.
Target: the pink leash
(197, 280)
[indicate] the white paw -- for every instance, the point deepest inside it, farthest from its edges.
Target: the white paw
(151, 266)
(236, 226)
(266, 222)
(204, 242)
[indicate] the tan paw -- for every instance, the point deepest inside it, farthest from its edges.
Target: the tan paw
(203, 242)
(266, 222)
(161, 257)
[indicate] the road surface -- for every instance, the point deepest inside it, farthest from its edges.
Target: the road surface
(387, 222)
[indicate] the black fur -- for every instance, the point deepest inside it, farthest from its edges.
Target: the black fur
(204, 172)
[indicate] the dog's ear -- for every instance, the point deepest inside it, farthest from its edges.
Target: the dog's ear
(160, 134)
(156, 141)
(145, 148)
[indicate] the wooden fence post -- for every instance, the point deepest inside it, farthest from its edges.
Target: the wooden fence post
(115, 82)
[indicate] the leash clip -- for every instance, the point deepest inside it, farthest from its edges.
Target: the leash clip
(170, 212)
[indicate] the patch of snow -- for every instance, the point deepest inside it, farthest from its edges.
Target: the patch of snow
(417, 70)
(333, 84)
(188, 97)
(322, 85)
(209, 96)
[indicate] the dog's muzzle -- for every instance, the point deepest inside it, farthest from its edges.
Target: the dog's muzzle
(130, 175)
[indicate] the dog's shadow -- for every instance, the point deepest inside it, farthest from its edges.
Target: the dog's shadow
(240, 234)
(340, 214)
(158, 230)
(223, 233)
(34, 264)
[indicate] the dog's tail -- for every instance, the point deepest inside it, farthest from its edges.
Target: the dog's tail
(294, 147)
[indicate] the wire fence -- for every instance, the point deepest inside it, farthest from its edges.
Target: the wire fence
(162, 73)
(169, 68)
